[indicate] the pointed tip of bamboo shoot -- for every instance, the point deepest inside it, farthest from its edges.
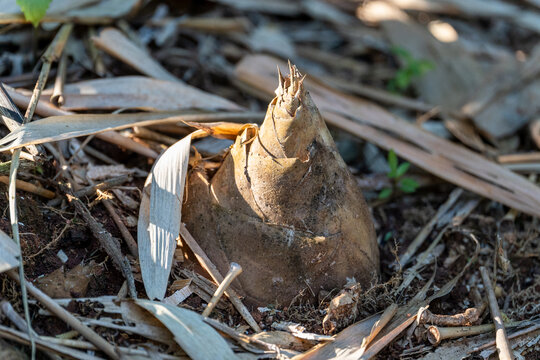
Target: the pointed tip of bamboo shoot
(290, 89)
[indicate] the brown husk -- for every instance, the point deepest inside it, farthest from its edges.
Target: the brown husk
(284, 206)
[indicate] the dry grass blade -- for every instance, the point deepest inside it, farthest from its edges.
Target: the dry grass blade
(10, 115)
(8, 253)
(198, 339)
(160, 217)
(44, 345)
(438, 156)
(55, 128)
(344, 345)
(118, 45)
(378, 326)
(139, 92)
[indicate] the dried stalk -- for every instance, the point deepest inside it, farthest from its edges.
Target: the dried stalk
(437, 334)
(426, 230)
(18, 321)
(64, 315)
(52, 53)
(57, 96)
(127, 143)
(130, 241)
(50, 349)
(513, 336)
(152, 135)
(503, 346)
(91, 190)
(386, 339)
(110, 244)
(29, 187)
(13, 316)
(385, 318)
(467, 318)
(234, 271)
(216, 276)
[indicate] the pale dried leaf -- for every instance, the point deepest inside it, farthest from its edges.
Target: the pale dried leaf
(269, 38)
(55, 128)
(139, 92)
(160, 217)
(8, 253)
(198, 339)
(118, 45)
(101, 172)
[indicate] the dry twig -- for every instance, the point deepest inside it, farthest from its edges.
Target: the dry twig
(216, 276)
(503, 347)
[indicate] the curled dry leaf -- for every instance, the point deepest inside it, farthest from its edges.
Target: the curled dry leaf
(342, 309)
(284, 206)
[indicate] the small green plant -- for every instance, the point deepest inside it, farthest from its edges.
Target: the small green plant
(405, 184)
(34, 10)
(412, 68)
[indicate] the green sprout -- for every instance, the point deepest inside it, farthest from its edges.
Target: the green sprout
(405, 184)
(412, 68)
(34, 10)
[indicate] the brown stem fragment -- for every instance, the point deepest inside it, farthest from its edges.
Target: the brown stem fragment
(503, 346)
(91, 190)
(130, 241)
(467, 318)
(436, 334)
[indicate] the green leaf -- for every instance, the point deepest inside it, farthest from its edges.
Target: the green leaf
(402, 53)
(403, 79)
(34, 10)
(387, 236)
(385, 193)
(402, 169)
(408, 185)
(425, 65)
(393, 163)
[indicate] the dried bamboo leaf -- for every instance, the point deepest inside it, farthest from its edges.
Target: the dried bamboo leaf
(42, 344)
(116, 44)
(55, 128)
(160, 217)
(342, 347)
(438, 156)
(198, 339)
(8, 253)
(476, 9)
(139, 92)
